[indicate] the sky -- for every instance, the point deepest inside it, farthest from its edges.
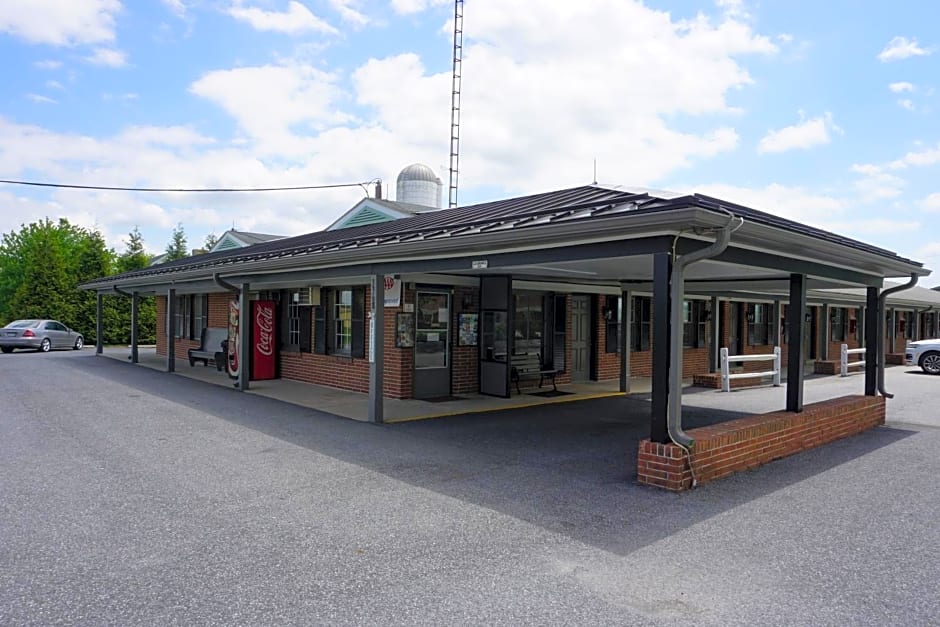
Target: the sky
(822, 112)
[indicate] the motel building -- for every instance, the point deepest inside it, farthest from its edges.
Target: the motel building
(404, 300)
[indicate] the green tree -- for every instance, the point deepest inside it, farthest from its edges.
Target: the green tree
(134, 257)
(211, 240)
(177, 249)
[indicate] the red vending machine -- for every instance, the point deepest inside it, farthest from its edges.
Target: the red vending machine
(263, 338)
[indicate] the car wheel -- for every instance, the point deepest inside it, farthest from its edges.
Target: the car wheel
(46, 345)
(79, 343)
(930, 362)
(7, 349)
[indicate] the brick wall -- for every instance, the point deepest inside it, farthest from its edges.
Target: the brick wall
(745, 443)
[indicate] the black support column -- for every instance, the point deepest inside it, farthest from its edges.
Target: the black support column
(626, 340)
(662, 269)
(826, 332)
(99, 325)
(170, 330)
(135, 305)
(376, 350)
(872, 356)
(714, 324)
(796, 322)
(244, 338)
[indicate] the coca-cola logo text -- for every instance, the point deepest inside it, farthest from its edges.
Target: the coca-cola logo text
(264, 318)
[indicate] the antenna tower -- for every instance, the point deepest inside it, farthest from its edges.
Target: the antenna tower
(455, 103)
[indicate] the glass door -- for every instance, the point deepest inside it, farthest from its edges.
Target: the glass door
(432, 344)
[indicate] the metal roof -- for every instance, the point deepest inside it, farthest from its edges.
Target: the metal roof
(574, 205)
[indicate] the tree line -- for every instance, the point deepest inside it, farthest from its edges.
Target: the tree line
(42, 265)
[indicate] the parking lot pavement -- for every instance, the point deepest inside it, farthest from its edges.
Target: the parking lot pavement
(132, 496)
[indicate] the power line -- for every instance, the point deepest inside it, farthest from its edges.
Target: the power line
(187, 190)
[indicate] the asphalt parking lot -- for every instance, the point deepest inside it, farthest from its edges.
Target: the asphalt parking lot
(129, 496)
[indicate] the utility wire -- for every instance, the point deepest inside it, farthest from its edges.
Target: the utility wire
(186, 190)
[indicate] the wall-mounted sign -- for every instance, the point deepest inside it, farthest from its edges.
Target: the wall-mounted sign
(479, 264)
(392, 291)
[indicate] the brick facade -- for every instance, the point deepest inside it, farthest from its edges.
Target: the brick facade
(745, 443)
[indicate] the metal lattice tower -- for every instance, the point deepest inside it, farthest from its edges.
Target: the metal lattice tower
(455, 103)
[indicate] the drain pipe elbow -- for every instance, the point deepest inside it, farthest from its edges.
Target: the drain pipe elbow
(218, 280)
(674, 410)
(881, 330)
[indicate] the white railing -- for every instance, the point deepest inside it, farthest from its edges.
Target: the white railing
(726, 360)
(845, 363)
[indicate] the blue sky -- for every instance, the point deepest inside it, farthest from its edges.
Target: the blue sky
(824, 112)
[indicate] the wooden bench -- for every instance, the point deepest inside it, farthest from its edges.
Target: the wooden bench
(210, 347)
(529, 366)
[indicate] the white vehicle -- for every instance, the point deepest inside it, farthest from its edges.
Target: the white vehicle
(924, 353)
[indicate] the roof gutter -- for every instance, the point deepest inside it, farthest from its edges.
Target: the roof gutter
(881, 330)
(676, 296)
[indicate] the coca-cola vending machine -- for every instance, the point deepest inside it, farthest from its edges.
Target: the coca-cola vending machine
(263, 334)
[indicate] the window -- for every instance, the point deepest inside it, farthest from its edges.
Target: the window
(559, 332)
(339, 322)
(759, 324)
(860, 326)
(909, 325)
(695, 318)
(183, 317)
(839, 323)
(342, 322)
(640, 319)
(613, 313)
(528, 323)
(200, 315)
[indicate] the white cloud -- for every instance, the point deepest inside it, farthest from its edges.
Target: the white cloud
(54, 85)
(876, 184)
(48, 64)
(298, 19)
(38, 98)
(348, 11)
(906, 103)
(805, 134)
(60, 22)
(269, 102)
(921, 158)
(108, 57)
(410, 7)
(902, 48)
(901, 87)
(931, 202)
(794, 203)
(177, 7)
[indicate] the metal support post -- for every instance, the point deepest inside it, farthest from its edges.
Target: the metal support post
(714, 324)
(376, 350)
(244, 338)
(826, 332)
(171, 330)
(872, 355)
(893, 331)
(626, 340)
(99, 325)
(662, 269)
(796, 322)
(135, 305)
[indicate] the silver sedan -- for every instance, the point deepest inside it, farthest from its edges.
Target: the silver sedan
(41, 335)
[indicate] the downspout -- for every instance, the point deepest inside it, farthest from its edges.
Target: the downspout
(218, 280)
(676, 295)
(881, 331)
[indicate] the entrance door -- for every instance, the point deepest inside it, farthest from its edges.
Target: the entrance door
(432, 344)
(580, 338)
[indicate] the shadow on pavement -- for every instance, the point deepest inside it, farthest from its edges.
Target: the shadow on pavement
(568, 468)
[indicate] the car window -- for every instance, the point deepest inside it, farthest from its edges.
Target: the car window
(51, 326)
(60, 327)
(23, 324)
